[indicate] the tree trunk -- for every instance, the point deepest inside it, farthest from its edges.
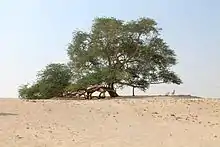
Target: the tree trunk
(112, 92)
(133, 91)
(111, 85)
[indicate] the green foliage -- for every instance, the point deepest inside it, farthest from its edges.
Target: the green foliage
(124, 53)
(51, 82)
(29, 91)
(114, 53)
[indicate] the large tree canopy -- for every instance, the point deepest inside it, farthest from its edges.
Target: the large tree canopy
(113, 53)
(122, 53)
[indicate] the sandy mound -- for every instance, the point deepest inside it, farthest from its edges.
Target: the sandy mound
(110, 123)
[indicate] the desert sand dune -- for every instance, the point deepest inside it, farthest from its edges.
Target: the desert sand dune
(110, 123)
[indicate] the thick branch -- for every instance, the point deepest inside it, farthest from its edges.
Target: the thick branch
(132, 85)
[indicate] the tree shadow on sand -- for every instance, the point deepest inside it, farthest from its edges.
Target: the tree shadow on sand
(7, 114)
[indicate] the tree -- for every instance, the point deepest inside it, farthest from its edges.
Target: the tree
(122, 53)
(51, 82)
(29, 91)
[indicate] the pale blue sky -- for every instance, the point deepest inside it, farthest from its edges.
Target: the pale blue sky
(34, 33)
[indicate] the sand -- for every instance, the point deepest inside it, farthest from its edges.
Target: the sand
(149, 122)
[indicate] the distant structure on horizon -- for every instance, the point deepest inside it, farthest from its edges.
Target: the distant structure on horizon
(172, 93)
